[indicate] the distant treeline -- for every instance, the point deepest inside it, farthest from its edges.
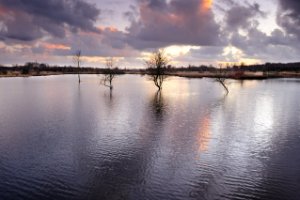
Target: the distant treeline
(276, 67)
(37, 68)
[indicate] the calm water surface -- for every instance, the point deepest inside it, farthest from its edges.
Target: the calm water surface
(59, 140)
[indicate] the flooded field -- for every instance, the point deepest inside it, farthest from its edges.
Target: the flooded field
(59, 140)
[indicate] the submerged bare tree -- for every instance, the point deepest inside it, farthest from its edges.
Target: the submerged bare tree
(221, 78)
(77, 58)
(109, 73)
(156, 68)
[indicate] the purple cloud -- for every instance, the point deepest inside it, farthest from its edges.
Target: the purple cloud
(288, 16)
(29, 20)
(161, 23)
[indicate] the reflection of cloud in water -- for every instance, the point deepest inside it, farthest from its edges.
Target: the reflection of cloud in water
(178, 88)
(264, 114)
(204, 134)
(236, 85)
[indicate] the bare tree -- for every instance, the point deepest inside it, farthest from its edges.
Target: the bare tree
(221, 78)
(156, 68)
(77, 59)
(109, 73)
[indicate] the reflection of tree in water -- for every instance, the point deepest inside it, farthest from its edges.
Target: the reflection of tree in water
(158, 105)
(109, 99)
(110, 95)
(124, 174)
(242, 81)
(156, 114)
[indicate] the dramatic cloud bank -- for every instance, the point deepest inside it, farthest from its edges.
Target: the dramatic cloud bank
(29, 20)
(289, 16)
(191, 31)
(161, 23)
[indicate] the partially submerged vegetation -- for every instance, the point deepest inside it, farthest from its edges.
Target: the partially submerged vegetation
(221, 78)
(109, 73)
(77, 59)
(157, 68)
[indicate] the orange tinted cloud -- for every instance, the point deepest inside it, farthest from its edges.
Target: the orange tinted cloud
(164, 23)
(206, 5)
(108, 28)
(101, 29)
(56, 46)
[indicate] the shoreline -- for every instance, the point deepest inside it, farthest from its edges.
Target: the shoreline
(233, 75)
(183, 74)
(20, 75)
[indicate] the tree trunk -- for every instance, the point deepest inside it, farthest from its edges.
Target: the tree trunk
(79, 74)
(227, 91)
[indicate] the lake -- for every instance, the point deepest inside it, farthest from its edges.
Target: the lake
(59, 140)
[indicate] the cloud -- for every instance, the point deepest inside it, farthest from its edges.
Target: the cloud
(29, 20)
(241, 28)
(53, 30)
(288, 16)
(240, 16)
(176, 22)
(111, 42)
(276, 47)
(205, 55)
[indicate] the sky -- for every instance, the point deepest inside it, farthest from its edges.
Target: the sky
(191, 32)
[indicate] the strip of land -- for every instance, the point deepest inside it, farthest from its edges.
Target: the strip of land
(265, 71)
(245, 75)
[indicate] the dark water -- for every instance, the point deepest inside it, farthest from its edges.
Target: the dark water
(62, 141)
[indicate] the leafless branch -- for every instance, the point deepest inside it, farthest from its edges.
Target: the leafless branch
(156, 68)
(221, 78)
(77, 59)
(109, 73)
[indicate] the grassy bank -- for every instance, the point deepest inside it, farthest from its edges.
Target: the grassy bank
(19, 74)
(186, 74)
(238, 76)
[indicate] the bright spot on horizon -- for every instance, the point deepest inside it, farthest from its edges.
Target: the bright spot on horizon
(176, 50)
(236, 56)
